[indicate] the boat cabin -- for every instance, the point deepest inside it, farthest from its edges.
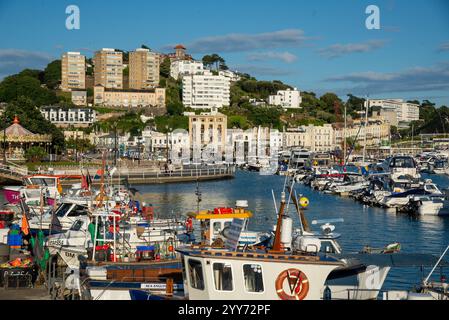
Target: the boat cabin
(209, 225)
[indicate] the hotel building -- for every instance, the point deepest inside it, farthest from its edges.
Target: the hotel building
(205, 91)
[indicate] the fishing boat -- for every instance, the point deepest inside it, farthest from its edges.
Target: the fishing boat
(209, 226)
(50, 184)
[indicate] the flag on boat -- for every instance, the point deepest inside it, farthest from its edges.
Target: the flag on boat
(25, 226)
(84, 184)
(55, 225)
(88, 179)
(98, 174)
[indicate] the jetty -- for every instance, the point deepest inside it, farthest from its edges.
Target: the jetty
(133, 174)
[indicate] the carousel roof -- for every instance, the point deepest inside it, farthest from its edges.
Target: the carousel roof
(17, 130)
(17, 133)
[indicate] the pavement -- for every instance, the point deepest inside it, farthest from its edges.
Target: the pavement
(39, 293)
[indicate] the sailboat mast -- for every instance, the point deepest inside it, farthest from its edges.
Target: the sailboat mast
(344, 140)
(366, 121)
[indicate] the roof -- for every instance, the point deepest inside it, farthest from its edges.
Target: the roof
(17, 130)
(208, 215)
(180, 46)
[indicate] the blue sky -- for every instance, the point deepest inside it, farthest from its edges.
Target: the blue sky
(315, 46)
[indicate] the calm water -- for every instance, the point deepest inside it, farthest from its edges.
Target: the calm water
(362, 226)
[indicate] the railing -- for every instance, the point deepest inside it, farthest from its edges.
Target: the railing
(14, 169)
(148, 173)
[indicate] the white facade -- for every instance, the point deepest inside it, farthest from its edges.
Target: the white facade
(406, 112)
(205, 91)
(233, 76)
(180, 68)
(71, 116)
(287, 99)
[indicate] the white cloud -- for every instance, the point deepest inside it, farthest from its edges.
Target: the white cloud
(338, 50)
(263, 56)
(15, 60)
(237, 42)
(417, 79)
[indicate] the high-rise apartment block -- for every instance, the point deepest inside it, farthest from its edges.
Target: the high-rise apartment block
(143, 69)
(73, 71)
(108, 68)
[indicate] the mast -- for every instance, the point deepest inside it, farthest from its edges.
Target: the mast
(366, 121)
(277, 236)
(304, 222)
(344, 141)
(103, 165)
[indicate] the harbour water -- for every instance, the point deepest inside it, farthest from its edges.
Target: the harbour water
(362, 225)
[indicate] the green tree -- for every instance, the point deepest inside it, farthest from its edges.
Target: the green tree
(21, 85)
(35, 154)
(52, 74)
(81, 145)
(164, 69)
(175, 108)
(240, 122)
(215, 60)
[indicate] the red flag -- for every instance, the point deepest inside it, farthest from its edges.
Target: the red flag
(84, 184)
(25, 226)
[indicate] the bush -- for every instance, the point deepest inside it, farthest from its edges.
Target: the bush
(35, 154)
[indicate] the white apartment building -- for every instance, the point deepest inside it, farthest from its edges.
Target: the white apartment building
(205, 91)
(406, 112)
(287, 99)
(180, 68)
(73, 71)
(64, 117)
(233, 76)
(108, 68)
(312, 138)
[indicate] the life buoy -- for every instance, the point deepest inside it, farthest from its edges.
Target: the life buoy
(297, 282)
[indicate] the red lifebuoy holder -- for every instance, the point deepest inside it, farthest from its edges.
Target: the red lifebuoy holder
(292, 284)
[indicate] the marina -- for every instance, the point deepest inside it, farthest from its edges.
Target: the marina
(381, 231)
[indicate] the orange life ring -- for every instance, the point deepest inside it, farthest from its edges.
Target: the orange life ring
(297, 282)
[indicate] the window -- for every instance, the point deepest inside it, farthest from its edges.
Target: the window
(196, 274)
(223, 276)
(78, 211)
(217, 227)
(77, 225)
(253, 277)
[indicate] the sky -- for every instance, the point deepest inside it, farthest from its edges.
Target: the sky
(320, 46)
